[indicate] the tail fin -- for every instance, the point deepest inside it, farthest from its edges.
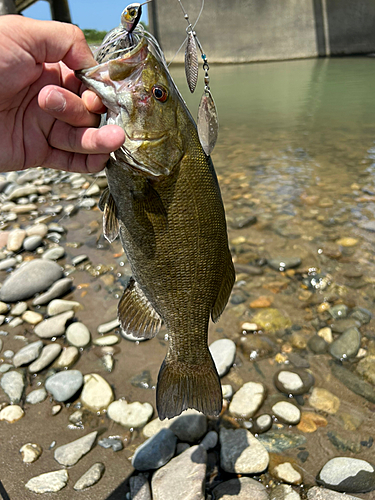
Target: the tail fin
(183, 385)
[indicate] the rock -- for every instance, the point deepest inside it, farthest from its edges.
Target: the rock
(4, 308)
(11, 413)
(271, 320)
(349, 475)
(223, 352)
(210, 440)
(32, 317)
(106, 340)
(107, 327)
(295, 382)
(287, 473)
(53, 327)
(111, 442)
(317, 344)
(340, 311)
(247, 400)
(39, 230)
(30, 452)
(48, 482)
(227, 391)
(59, 288)
(156, 425)
(22, 191)
(54, 253)
(5, 367)
(139, 487)
(183, 478)
(91, 477)
(242, 488)
(15, 239)
(28, 353)
(343, 443)
(79, 259)
(31, 243)
(278, 442)
(326, 334)
(36, 396)
(284, 263)
(287, 412)
(284, 492)
(70, 453)
(354, 382)
(15, 322)
(67, 358)
(261, 302)
(361, 314)
(262, 423)
(56, 409)
(347, 345)
(18, 309)
(366, 368)
(190, 426)
(7, 263)
(49, 353)
(96, 394)
(58, 306)
(241, 452)
(78, 335)
(132, 415)
(13, 384)
(317, 493)
(33, 277)
(310, 422)
(323, 400)
(156, 451)
(341, 325)
(64, 385)
(8, 354)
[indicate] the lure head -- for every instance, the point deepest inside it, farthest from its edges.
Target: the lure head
(130, 16)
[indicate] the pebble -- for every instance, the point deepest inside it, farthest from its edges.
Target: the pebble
(28, 353)
(56, 409)
(366, 368)
(317, 344)
(78, 335)
(223, 352)
(241, 452)
(326, 334)
(23, 191)
(284, 492)
(58, 306)
(227, 391)
(317, 493)
(287, 412)
(54, 253)
(18, 309)
(354, 382)
(341, 325)
(36, 396)
(49, 353)
(247, 400)
(132, 415)
(262, 423)
(156, 451)
(64, 385)
(11, 413)
(7, 263)
(139, 487)
(31, 243)
(70, 453)
(96, 394)
(32, 277)
(242, 488)
(15, 322)
(284, 263)
(183, 478)
(91, 477)
(30, 452)
(8, 354)
(53, 327)
(278, 442)
(271, 320)
(111, 442)
(32, 317)
(323, 400)
(340, 311)
(310, 422)
(13, 384)
(48, 482)
(37, 230)
(4, 308)
(361, 314)
(293, 382)
(107, 340)
(347, 345)
(190, 426)
(67, 358)
(210, 440)
(349, 475)
(107, 327)
(59, 288)
(5, 367)
(287, 473)
(79, 259)
(15, 239)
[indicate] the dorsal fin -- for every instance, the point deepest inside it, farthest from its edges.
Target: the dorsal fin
(227, 283)
(111, 225)
(136, 314)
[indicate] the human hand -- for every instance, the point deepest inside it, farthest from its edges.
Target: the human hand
(43, 120)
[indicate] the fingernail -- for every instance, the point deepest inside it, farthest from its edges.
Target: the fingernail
(55, 101)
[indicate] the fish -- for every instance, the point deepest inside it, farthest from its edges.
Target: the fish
(164, 202)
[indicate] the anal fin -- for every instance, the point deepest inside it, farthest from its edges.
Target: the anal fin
(227, 283)
(136, 314)
(111, 225)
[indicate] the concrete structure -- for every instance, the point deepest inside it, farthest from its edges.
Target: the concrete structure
(263, 30)
(59, 8)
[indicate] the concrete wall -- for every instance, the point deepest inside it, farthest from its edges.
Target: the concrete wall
(261, 30)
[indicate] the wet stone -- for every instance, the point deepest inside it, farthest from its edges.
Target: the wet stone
(70, 453)
(247, 400)
(139, 487)
(317, 344)
(96, 394)
(64, 385)
(156, 451)
(36, 396)
(107, 327)
(284, 263)
(210, 440)
(48, 482)
(227, 391)
(132, 415)
(18, 309)
(284, 492)
(79, 259)
(361, 314)
(347, 345)
(293, 382)
(339, 311)
(15, 239)
(28, 353)
(67, 358)
(32, 317)
(3, 308)
(5, 367)
(190, 426)
(323, 400)
(354, 382)
(7, 263)
(13, 384)
(183, 478)
(287, 473)
(262, 423)
(58, 306)
(30, 452)
(287, 412)
(349, 475)
(78, 335)
(11, 413)
(111, 442)
(59, 288)
(326, 334)
(49, 353)
(53, 327)
(271, 320)
(241, 452)
(54, 253)
(31, 243)
(8, 354)
(366, 368)
(33, 277)
(341, 325)
(242, 488)
(91, 477)
(223, 352)
(278, 442)
(39, 230)
(317, 493)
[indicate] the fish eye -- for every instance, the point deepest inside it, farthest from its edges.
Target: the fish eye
(160, 93)
(132, 13)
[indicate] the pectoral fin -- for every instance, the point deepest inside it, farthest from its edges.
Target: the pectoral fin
(225, 290)
(110, 222)
(136, 314)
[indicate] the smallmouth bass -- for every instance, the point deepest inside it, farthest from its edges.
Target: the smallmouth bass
(164, 201)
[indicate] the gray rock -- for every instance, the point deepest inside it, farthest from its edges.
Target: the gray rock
(58, 306)
(79, 259)
(33, 277)
(247, 400)
(5, 367)
(317, 493)
(223, 352)
(132, 415)
(278, 442)
(67, 358)
(183, 478)
(13, 384)
(28, 353)
(262, 423)
(349, 475)
(347, 345)
(18, 309)
(23, 191)
(7, 263)
(284, 492)
(70, 453)
(341, 325)
(59, 288)
(53, 327)
(210, 440)
(190, 426)
(293, 382)
(37, 230)
(54, 253)
(31, 243)
(49, 353)
(156, 451)
(107, 327)
(241, 452)
(64, 385)
(317, 344)
(78, 334)
(36, 396)
(48, 482)
(369, 226)
(139, 487)
(91, 477)
(242, 488)
(8, 354)
(283, 263)
(287, 412)
(111, 442)
(340, 311)
(361, 314)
